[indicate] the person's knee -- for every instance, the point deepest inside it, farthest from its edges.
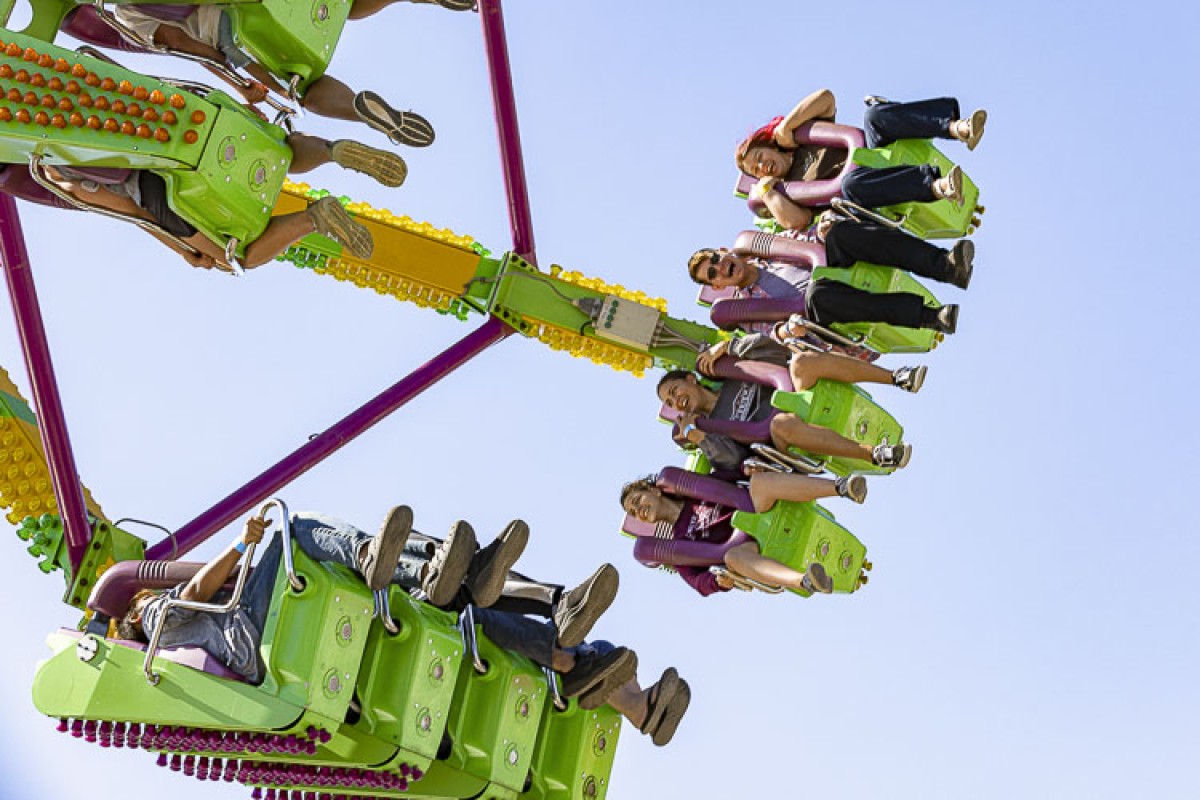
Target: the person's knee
(803, 369)
(782, 426)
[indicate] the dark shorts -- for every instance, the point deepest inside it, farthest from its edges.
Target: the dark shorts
(154, 200)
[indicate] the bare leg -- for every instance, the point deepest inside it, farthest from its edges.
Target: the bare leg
(361, 9)
(767, 488)
(808, 368)
(329, 97)
(632, 701)
(788, 430)
(308, 152)
(280, 233)
(746, 559)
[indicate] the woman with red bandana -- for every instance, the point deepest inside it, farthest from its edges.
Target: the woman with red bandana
(772, 155)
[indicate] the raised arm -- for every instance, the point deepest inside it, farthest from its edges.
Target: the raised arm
(821, 104)
(792, 216)
(212, 576)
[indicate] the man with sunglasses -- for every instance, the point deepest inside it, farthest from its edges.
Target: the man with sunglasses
(827, 301)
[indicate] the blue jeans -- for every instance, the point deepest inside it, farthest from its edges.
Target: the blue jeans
(924, 119)
(322, 538)
(530, 638)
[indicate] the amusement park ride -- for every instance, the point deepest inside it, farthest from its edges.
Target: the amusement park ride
(366, 697)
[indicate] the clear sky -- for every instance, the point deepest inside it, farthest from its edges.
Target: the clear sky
(1030, 628)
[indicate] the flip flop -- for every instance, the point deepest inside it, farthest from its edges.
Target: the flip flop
(665, 707)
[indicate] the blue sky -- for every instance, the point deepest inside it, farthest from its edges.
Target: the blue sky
(1030, 625)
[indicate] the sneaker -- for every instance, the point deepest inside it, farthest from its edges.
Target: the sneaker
(910, 379)
(578, 609)
(665, 707)
(853, 488)
(962, 263)
(616, 667)
(331, 220)
(970, 130)
(950, 186)
(490, 566)
(816, 579)
(895, 456)
(447, 569)
(387, 168)
(378, 562)
(946, 320)
(402, 127)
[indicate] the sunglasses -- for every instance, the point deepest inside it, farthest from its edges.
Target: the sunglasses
(710, 273)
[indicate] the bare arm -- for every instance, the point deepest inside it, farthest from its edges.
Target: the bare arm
(788, 214)
(212, 576)
(821, 104)
(173, 38)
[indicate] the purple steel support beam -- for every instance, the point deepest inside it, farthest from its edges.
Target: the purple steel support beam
(520, 220)
(317, 449)
(46, 401)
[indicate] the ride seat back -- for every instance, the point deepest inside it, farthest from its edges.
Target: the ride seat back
(407, 682)
(848, 410)
(798, 534)
(291, 37)
(495, 717)
(938, 220)
(575, 752)
(880, 336)
(313, 640)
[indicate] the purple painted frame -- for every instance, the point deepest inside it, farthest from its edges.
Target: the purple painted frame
(47, 402)
(48, 405)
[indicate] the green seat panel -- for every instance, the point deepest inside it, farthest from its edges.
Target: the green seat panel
(848, 410)
(232, 190)
(494, 721)
(575, 752)
(224, 181)
(937, 220)
(797, 534)
(291, 37)
(112, 686)
(407, 681)
(313, 640)
(879, 336)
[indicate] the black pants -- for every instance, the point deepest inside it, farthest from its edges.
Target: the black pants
(154, 200)
(885, 123)
(832, 301)
(925, 119)
(889, 186)
(851, 241)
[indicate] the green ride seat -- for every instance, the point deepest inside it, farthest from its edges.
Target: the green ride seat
(798, 534)
(937, 220)
(407, 682)
(493, 727)
(575, 752)
(223, 166)
(846, 409)
(880, 336)
(289, 37)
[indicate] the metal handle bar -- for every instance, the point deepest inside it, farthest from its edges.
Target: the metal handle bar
(851, 209)
(555, 695)
(742, 583)
(466, 625)
(793, 461)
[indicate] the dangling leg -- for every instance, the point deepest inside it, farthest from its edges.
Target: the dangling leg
(310, 152)
(768, 488)
(788, 430)
(746, 559)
